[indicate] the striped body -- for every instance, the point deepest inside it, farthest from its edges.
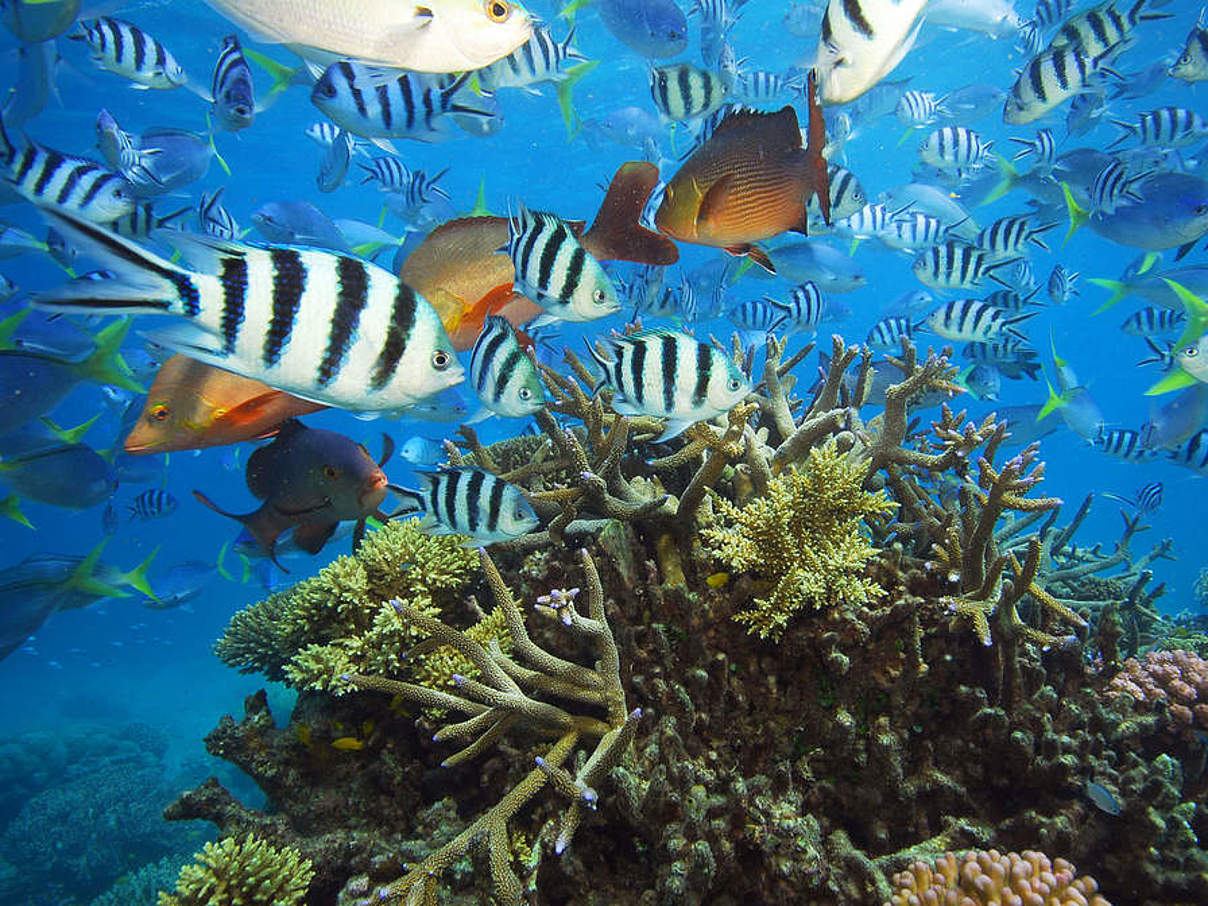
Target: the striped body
(502, 374)
(683, 92)
(887, 334)
(973, 321)
(1043, 148)
(913, 230)
(1047, 14)
(919, 108)
(1102, 29)
(954, 148)
(1112, 186)
(234, 104)
(1192, 64)
(381, 104)
(804, 309)
(142, 222)
(1009, 300)
(869, 222)
(862, 41)
(1047, 81)
(1192, 453)
(215, 220)
(1022, 277)
(759, 86)
(756, 315)
(953, 265)
(539, 59)
(846, 195)
(1006, 351)
(333, 165)
(1062, 284)
(1122, 443)
(472, 502)
(1153, 322)
(409, 189)
(670, 375)
(1166, 127)
(1008, 237)
(320, 325)
(152, 504)
(125, 49)
(555, 271)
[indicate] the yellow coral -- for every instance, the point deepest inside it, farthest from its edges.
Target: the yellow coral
(250, 872)
(804, 535)
(984, 878)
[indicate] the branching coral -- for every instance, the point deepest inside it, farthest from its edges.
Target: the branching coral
(248, 872)
(985, 878)
(805, 537)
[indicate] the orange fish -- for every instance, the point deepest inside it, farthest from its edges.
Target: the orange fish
(191, 406)
(460, 269)
(749, 181)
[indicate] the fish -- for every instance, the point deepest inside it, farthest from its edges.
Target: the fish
(423, 451)
(373, 344)
(974, 102)
(804, 262)
(554, 270)
(1049, 80)
(438, 36)
(668, 374)
(804, 308)
(954, 148)
(1192, 453)
(154, 503)
(1147, 499)
(179, 584)
(334, 165)
(1176, 421)
(682, 91)
(299, 223)
(35, 23)
(1173, 213)
(171, 159)
(1122, 443)
(954, 265)
(502, 374)
(1166, 127)
(1152, 322)
(540, 59)
(464, 500)
(1024, 426)
(653, 28)
(920, 108)
(1192, 64)
(862, 42)
(996, 18)
(34, 85)
(310, 480)
(983, 381)
(748, 182)
(1193, 358)
(1042, 148)
(1099, 31)
(234, 96)
(69, 475)
(1012, 357)
(123, 48)
(1062, 284)
(1154, 285)
(973, 321)
(1008, 237)
(887, 334)
(1101, 798)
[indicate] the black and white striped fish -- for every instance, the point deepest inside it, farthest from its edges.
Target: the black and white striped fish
(321, 325)
(1048, 13)
(215, 220)
(333, 165)
(954, 148)
(1010, 300)
(910, 231)
(464, 500)
(502, 374)
(954, 265)
(1043, 148)
(759, 86)
(54, 180)
(1122, 443)
(555, 271)
(154, 503)
(323, 133)
(920, 108)
(539, 59)
(1153, 322)
(234, 99)
(869, 222)
(1148, 498)
(1022, 277)
(761, 315)
(1062, 284)
(860, 42)
(1047, 81)
(670, 375)
(846, 195)
(804, 309)
(973, 321)
(887, 334)
(683, 92)
(717, 17)
(123, 151)
(143, 222)
(1166, 127)
(1192, 453)
(1012, 356)
(384, 104)
(1192, 64)
(1102, 30)
(1009, 236)
(1113, 186)
(123, 48)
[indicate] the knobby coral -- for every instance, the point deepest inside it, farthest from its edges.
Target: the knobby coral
(805, 535)
(1177, 679)
(983, 878)
(248, 872)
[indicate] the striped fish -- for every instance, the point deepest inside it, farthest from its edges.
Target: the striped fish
(920, 108)
(153, 503)
(74, 185)
(463, 500)
(1103, 29)
(502, 374)
(846, 195)
(887, 334)
(1113, 186)
(1008, 237)
(1010, 300)
(1062, 284)
(555, 271)
(1122, 443)
(756, 315)
(324, 133)
(1010, 355)
(1022, 277)
(1047, 81)
(333, 165)
(804, 308)
(320, 325)
(1047, 14)
(1043, 148)
(870, 222)
(1166, 127)
(123, 152)
(539, 59)
(1152, 322)
(954, 265)
(759, 86)
(668, 374)
(1192, 64)
(234, 99)
(910, 231)
(1147, 499)
(684, 92)
(383, 104)
(973, 321)
(860, 42)
(215, 220)
(954, 148)
(1192, 453)
(125, 49)
(143, 222)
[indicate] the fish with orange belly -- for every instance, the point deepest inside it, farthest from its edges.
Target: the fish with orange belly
(750, 181)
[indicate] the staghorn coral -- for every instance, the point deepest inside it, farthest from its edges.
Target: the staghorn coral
(248, 872)
(805, 537)
(1177, 680)
(984, 878)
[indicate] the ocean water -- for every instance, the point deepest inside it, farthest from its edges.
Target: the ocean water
(119, 683)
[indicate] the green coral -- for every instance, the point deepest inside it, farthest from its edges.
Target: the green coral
(804, 536)
(250, 872)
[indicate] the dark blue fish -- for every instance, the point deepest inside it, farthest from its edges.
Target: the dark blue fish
(179, 584)
(1172, 213)
(654, 28)
(71, 475)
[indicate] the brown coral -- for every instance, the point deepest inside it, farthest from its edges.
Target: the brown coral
(981, 878)
(1179, 679)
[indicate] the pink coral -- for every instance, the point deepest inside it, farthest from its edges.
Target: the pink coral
(1179, 679)
(982, 878)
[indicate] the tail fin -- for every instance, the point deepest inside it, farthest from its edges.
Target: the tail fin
(816, 133)
(70, 435)
(1119, 289)
(1053, 403)
(8, 327)
(10, 508)
(616, 234)
(1078, 214)
(283, 76)
(144, 283)
(263, 524)
(105, 365)
(566, 102)
(137, 577)
(83, 577)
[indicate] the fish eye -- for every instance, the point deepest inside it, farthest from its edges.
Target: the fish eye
(331, 473)
(441, 360)
(326, 89)
(599, 296)
(498, 11)
(1191, 352)
(734, 384)
(159, 413)
(524, 393)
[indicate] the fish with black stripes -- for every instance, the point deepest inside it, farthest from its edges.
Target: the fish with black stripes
(1048, 80)
(541, 58)
(1009, 237)
(955, 148)
(1166, 127)
(682, 91)
(861, 42)
(1101, 31)
(955, 265)
(1153, 322)
(215, 220)
(1042, 148)
(1192, 64)
(234, 96)
(668, 374)
(555, 271)
(887, 334)
(1062, 284)
(153, 503)
(973, 321)
(123, 48)
(1147, 499)
(502, 374)
(1192, 453)
(920, 108)
(324, 326)
(463, 500)
(1122, 443)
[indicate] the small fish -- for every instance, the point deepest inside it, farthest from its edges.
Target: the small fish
(983, 381)
(170, 159)
(804, 308)
(669, 375)
(887, 334)
(123, 48)
(1166, 127)
(153, 503)
(1008, 237)
(540, 59)
(1100, 30)
(502, 374)
(684, 92)
(913, 231)
(1192, 64)
(69, 475)
(834, 271)
(334, 165)
(954, 265)
(1122, 443)
(1112, 187)
(299, 223)
(1043, 149)
(348, 744)
(1010, 356)
(1192, 453)
(846, 195)
(234, 104)
(920, 108)
(1101, 799)
(1152, 322)
(861, 42)
(469, 501)
(1147, 499)
(423, 451)
(954, 148)
(1047, 81)
(972, 321)
(1062, 284)
(215, 220)
(759, 316)
(653, 28)
(554, 269)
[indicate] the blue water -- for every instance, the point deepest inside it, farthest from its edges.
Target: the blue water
(102, 669)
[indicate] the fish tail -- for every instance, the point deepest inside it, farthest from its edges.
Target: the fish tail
(105, 365)
(8, 327)
(1078, 214)
(137, 577)
(259, 523)
(617, 233)
(83, 579)
(10, 508)
(411, 502)
(1119, 291)
(283, 76)
(1009, 175)
(816, 132)
(569, 11)
(566, 103)
(1052, 404)
(69, 435)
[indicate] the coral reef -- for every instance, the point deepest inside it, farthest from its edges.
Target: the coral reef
(983, 878)
(143, 887)
(247, 872)
(1177, 681)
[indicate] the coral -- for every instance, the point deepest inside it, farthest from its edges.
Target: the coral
(805, 537)
(250, 872)
(142, 888)
(1178, 680)
(985, 878)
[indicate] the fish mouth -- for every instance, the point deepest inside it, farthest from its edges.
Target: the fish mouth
(373, 492)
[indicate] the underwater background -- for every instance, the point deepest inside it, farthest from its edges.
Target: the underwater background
(808, 769)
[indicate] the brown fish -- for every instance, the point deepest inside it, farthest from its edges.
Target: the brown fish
(192, 406)
(749, 181)
(460, 269)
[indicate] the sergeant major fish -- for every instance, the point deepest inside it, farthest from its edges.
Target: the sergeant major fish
(502, 373)
(468, 501)
(123, 48)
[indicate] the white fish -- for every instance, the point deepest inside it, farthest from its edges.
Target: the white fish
(861, 42)
(436, 36)
(996, 18)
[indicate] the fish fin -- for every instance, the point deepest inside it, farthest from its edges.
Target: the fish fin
(1176, 380)
(1119, 290)
(259, 523)
(105, 364)
(480, 208)
(220, 563)
(412, 501)
(715, 200)
(10, 508)
(83, 579)
(311, 536)
(474, 317)
(1184, 249)
(617, 233)
(1009, 176)
(385, 144)
(674, 428)
(191, 341)
(283, 76)
(816, 133)
(8, 327)
(1052, 404)
(1078, 214)
(70, 435)
(137, 577)
(1197, 314)
(571, 9)
(756, 254)
(388, 447)
(566, 102)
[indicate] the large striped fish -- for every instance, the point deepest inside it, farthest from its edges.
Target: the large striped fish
(554, 269)
(320, 325)
(861, 42)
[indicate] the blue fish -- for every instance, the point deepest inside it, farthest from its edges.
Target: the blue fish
(654, 28)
